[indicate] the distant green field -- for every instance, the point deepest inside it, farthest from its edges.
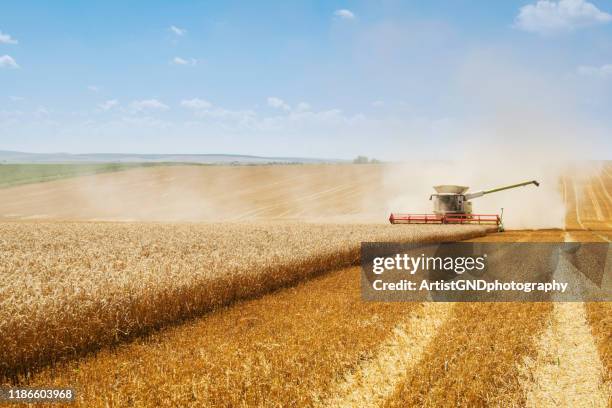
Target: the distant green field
(15, 174)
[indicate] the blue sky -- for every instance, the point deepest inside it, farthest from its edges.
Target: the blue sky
(305, 78)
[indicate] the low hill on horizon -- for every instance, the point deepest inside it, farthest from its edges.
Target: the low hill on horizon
(7, 156)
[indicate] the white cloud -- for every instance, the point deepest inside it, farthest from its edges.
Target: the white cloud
(234, 118)
(183, 61)
(6, 61)
(178, 31)
(303, 107)
(378, 104)
(107, 105)
(7, 39)
(179, 61)
(94, 88)
(278, 103)
(204, 109)
(17, 98)
(549, 17)
(196, 104)
(604, 71)
(41, 111)
(344, 14)
(330, 121)
(148, 105)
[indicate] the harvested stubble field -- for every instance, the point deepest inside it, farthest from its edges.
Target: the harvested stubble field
(475, 358)
(317, 344)
(208, 193)
(68, 288)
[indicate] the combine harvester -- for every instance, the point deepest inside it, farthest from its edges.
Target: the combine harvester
(451, 205)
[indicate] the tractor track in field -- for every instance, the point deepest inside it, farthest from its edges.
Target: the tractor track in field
(473, 359)
(375, 380)
(567, 370)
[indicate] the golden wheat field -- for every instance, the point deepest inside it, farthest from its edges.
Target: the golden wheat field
(270, 313)
(71, 287)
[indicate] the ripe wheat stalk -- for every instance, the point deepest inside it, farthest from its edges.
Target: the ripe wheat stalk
(70, 288)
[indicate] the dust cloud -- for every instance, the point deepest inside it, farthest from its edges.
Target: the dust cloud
(318, 193)
(515, 125)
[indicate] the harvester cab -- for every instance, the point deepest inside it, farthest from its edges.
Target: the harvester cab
(452, 205)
